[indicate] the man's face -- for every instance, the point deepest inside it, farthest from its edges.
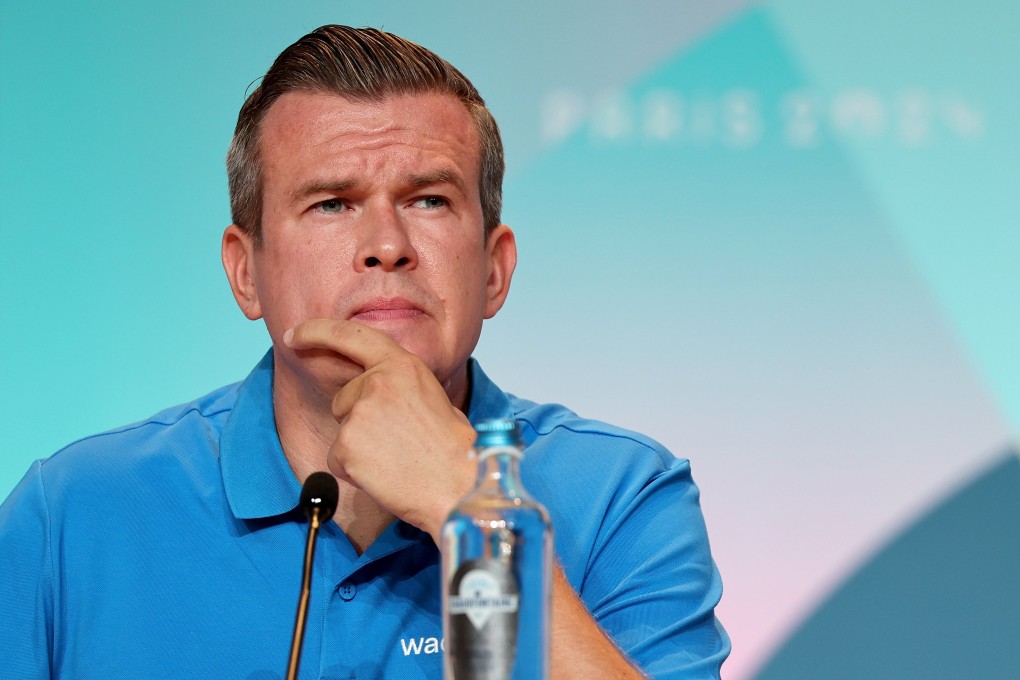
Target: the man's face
(371, 213)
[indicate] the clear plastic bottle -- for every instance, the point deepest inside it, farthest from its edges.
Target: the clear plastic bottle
(497, 569)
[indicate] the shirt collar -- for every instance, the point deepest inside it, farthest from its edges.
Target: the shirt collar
(258, 479)
(256, 474)
(487, 400)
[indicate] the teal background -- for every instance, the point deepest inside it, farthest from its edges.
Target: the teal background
(778, 236)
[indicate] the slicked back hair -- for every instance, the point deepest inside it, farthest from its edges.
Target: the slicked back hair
(362, 65)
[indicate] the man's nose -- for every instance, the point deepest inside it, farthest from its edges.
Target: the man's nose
(385, 243)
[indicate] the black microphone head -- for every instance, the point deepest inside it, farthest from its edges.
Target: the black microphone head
(320, 491)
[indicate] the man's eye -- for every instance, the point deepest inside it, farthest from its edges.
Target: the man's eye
(331, 205)
(431, 202)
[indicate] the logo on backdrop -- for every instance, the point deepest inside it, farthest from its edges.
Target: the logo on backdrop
(744, 118)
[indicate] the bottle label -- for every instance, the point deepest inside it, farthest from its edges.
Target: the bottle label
(483, 613)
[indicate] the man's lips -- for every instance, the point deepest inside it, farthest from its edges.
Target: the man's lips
(387, 309)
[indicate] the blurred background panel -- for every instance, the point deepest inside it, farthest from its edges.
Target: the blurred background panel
(777, 236)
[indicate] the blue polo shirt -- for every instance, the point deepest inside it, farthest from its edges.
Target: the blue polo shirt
(172, 548)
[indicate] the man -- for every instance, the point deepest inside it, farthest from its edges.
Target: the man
(365, 177)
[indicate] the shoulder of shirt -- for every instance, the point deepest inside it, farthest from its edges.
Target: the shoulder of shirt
(555, 420)
(214, 406)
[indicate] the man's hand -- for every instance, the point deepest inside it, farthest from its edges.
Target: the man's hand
(404, 444)
(401, 441)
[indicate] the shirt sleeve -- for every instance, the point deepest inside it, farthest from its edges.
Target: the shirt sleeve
(651, 582)
(26, 580)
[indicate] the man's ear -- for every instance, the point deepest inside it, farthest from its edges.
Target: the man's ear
(237, 252)
(501, 251)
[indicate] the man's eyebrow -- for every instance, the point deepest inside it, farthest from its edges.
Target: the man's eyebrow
(322, 187)
(442, 176)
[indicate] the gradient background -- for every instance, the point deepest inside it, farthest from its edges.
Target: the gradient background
(777, 236)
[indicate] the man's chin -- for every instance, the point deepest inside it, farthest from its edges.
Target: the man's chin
(411, 336)
(399, 330)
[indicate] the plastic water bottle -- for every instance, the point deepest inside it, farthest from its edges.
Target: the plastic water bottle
(497, 569)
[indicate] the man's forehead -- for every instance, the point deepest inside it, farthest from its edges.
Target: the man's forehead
(303, 112)
(316, 142)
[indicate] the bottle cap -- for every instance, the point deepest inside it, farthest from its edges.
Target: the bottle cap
(498, 432)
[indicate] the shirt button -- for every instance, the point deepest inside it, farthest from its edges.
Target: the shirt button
(347, 591)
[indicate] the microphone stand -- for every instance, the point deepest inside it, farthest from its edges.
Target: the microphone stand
(318, 498)
(306, 587)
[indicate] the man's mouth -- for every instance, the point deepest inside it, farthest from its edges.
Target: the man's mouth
(386, 309)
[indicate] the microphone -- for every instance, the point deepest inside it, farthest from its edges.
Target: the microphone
(319, 497)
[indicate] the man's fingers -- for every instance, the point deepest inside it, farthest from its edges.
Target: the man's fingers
(411, 377)
(358, 342)
(345, 399)
(338, 471)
